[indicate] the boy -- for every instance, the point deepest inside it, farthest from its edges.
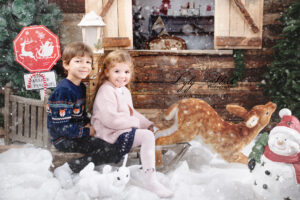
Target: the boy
(68, 123)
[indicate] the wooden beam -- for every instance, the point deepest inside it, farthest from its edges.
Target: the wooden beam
(246, 15)
(241, 41)
(106, 8)
(116, 42)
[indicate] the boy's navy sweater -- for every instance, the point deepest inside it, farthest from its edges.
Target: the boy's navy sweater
(66, 111)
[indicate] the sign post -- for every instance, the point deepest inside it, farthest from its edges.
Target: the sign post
(37, 50)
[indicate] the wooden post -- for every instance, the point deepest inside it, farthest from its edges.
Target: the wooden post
(93, 5)
(6, 112)
(247, 16)
(46, 137)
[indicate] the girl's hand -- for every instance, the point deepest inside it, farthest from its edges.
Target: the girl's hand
(130, 111)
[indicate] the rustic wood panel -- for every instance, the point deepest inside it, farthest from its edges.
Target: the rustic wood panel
(222, 8)
(70, 6)
(276, 6)
(236, 21)
(33, 127)
(125, 20)
(241, 42)
(24, 100)
(39, 135)
(14, 118)
(168, 74)
(26, 120)
(20, 118)
(116, 42)
(184, 61)
(248, 99)
(271, 18)
(93, 5)
(111, 20)
(7, 113)
(105, 7)
(246, 12)
(195, 88)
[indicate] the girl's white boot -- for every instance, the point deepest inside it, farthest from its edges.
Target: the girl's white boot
(154, 185)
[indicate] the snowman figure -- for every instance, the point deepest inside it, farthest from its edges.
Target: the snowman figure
(278, 174)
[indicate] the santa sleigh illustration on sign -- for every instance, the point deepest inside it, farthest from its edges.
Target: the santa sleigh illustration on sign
(45, 51)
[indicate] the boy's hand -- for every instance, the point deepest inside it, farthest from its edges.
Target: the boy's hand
(92, 130)
(151, 128)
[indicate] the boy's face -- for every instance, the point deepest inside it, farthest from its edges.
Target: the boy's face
(119, 75)
(78, 68)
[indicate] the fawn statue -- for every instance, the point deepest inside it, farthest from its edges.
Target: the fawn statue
(194, 117)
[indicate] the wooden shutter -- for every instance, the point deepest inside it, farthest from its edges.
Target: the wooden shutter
(117, 15)
(238, 24)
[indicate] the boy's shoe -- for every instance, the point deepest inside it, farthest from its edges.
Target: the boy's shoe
(152, 184)
(63, 174)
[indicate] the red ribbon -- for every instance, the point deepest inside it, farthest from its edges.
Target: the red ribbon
(293, 159)
(44, 80)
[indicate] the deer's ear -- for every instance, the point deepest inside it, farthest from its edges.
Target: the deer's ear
(252, 121)
(237, 110)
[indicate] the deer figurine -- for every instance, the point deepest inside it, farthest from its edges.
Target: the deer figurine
(194, 117)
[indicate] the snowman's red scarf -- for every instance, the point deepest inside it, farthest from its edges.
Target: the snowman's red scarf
(294, 159)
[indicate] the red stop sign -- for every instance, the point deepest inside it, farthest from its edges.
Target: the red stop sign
(36, 48)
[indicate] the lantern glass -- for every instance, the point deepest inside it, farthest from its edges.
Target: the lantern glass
(91, 36)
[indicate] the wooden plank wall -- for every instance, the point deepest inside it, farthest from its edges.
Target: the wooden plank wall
(161, 79)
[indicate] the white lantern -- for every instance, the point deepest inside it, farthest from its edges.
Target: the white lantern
(92, 31)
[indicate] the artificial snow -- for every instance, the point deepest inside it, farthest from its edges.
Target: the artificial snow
(201, 175)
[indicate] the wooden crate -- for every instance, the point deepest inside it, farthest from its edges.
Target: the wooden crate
(25, 120)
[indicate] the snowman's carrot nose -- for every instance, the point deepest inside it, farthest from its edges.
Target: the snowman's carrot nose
(280, 142)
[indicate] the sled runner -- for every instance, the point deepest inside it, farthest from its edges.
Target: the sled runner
(172, 154)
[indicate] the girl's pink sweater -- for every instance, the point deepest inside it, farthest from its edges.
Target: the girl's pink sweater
(111, 113)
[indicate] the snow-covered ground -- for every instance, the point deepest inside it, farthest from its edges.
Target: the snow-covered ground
(202, 175)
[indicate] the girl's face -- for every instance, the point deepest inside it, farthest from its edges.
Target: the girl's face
(78, 68)
(119, 75)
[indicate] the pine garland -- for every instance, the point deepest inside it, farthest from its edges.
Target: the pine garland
(259, 147)
(258, 150)
(239, 70)
(282, 80)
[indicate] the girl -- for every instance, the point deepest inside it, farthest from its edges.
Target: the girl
(117, 122)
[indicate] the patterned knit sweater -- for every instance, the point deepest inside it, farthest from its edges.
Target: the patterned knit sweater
(66, 111)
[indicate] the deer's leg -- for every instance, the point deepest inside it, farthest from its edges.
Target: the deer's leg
(158, 158)
(237, 157)
(177, 136)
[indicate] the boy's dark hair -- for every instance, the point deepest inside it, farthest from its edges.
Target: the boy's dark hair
(76, 49)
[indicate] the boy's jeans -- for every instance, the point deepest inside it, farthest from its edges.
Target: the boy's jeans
(95, 150)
